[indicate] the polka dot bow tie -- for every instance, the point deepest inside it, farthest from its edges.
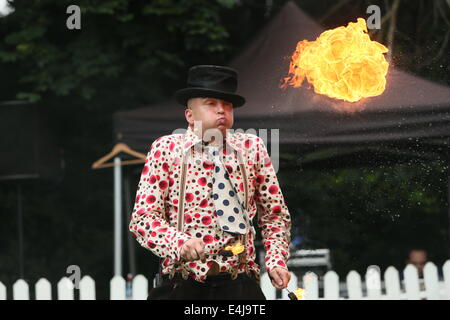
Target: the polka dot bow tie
(230, 211)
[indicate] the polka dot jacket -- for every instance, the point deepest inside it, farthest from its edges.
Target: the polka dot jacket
(154, 221)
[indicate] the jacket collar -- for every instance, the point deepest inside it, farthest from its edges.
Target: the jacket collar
(191, 139)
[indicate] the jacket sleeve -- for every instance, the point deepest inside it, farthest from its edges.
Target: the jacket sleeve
(273, 215)
(148, 225)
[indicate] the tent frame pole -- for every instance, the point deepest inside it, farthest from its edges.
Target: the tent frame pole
(117, 217)
(130, 242)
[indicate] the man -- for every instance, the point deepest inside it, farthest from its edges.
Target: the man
(417, 257)
(198, 194)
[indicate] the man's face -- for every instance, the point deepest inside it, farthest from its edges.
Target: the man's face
(212, 112)
(418, 258)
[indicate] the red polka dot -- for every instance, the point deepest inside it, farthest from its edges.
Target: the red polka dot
(273, 189)
(189, 197)
(206, 220)
(155, 224)
(248, 143)
(141, 232)
(152, 179)
(151, 244)
(202, 181)
(141, 211)
(157, 154)
(208, 165)
(165, 167)
(203, 203)
(276, 209)
(145, 170)
(166, 262)
(208, 239)
(163, 184)
(151, 199)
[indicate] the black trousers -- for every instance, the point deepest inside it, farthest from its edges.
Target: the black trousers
(219, 287)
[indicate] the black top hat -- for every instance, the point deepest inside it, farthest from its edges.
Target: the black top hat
(211, 82)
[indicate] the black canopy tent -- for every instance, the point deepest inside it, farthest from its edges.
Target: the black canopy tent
(411, 119)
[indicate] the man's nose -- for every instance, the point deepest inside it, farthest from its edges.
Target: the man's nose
(220, 107)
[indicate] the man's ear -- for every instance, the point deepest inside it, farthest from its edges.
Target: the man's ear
(188, 115)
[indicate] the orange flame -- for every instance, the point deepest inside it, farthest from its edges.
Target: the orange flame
(342, 63)
(299, 293)
(236, 248)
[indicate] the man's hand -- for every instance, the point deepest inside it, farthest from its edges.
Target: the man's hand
(193, 249)
(280, 277)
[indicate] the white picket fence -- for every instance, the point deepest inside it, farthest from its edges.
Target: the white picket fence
(373, 288)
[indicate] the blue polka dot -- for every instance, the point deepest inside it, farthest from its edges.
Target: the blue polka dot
(231, 219)
(225, 228)
(236, 210)
(217, 169)
(226, 175)
(221, 186)
(226, 202)
(216, 196)
(241, 225)
(219, 212)
(231, 193)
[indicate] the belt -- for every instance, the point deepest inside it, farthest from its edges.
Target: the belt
(209, 279)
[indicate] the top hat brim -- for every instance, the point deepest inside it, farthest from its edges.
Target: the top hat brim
(183, 95)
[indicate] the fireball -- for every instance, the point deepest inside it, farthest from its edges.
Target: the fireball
(342, 63)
